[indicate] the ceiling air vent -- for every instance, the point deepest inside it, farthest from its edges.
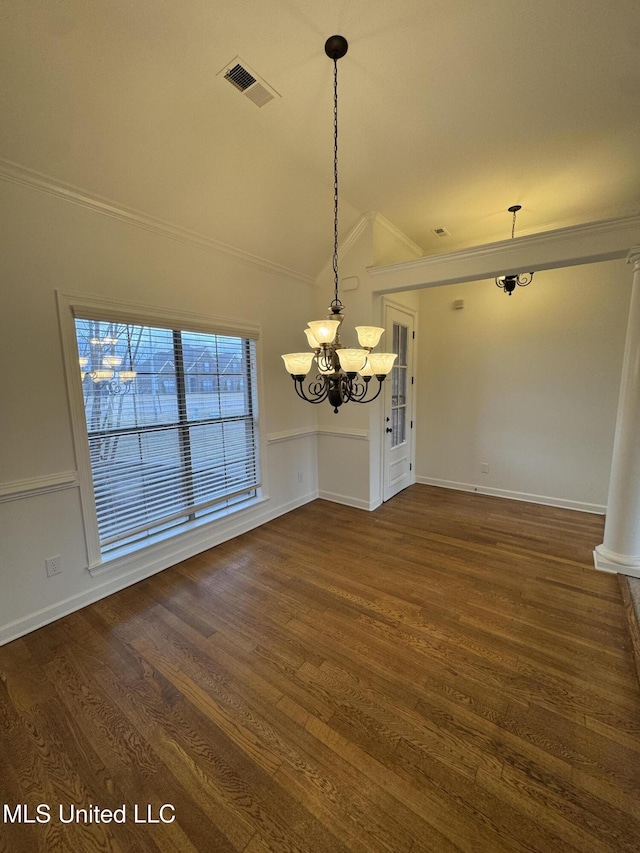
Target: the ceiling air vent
(240, 77)
(238, 73)
(440, 232)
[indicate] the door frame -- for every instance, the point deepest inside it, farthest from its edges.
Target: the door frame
(412, 387)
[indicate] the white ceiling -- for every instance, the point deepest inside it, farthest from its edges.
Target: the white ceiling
(450, 111)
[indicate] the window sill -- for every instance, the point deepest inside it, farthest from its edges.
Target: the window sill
(171, 546)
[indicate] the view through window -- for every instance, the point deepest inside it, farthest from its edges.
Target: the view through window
(171, 421)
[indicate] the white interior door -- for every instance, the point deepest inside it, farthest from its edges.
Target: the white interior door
(398, 403)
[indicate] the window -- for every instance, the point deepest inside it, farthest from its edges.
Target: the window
(399, 386)
(171, 422)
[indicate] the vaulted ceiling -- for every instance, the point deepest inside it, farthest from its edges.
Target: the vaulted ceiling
(450, 111)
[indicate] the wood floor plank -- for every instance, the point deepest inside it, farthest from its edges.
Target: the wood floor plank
(477, 806)
(535, 799)
(454, 677)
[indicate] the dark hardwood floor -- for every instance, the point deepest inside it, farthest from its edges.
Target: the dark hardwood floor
(448, 673)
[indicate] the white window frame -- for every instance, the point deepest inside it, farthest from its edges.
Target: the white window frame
(72, 306)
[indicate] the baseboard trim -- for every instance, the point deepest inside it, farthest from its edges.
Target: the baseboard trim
(563, 503)
(113, 578)
(613, 567)
(346, 500)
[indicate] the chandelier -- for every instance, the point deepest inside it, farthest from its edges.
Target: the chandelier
(330, 371)
(508, 282)
(109, 377)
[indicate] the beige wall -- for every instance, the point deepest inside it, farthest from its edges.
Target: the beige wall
(51, 244)
(526, 383)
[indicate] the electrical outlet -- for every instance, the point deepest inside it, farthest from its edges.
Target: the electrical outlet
(484, 468)
(53, 566)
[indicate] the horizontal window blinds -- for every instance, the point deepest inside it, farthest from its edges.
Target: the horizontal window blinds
(172, 425)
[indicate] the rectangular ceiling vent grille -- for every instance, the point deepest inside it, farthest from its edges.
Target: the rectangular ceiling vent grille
(238, 73)
(240, 77)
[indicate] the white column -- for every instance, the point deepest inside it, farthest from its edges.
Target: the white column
(620, 551)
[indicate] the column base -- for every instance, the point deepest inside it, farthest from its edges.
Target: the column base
(617, 564)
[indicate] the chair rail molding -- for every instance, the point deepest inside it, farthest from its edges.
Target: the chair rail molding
(34, 486)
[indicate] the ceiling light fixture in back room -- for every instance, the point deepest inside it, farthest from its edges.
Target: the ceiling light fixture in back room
(508, 282)
(333, 372)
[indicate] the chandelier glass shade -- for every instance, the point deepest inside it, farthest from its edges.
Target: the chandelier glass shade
(508, 282)
(330, 371)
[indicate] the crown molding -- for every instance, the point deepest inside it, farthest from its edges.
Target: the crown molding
(354, 234)
(345, 246)
(579, 244)
(362, 224)
(396, 233)
(18, 174)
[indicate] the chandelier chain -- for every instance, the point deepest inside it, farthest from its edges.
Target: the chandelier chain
(336, 301)
(508, 282)
(331, 371)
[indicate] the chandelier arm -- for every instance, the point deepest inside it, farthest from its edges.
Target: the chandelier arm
(377, 394)
(117, 387)
(325, 358)
(358, 396)
(317, 396)
(356, 390)
(319, 387)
